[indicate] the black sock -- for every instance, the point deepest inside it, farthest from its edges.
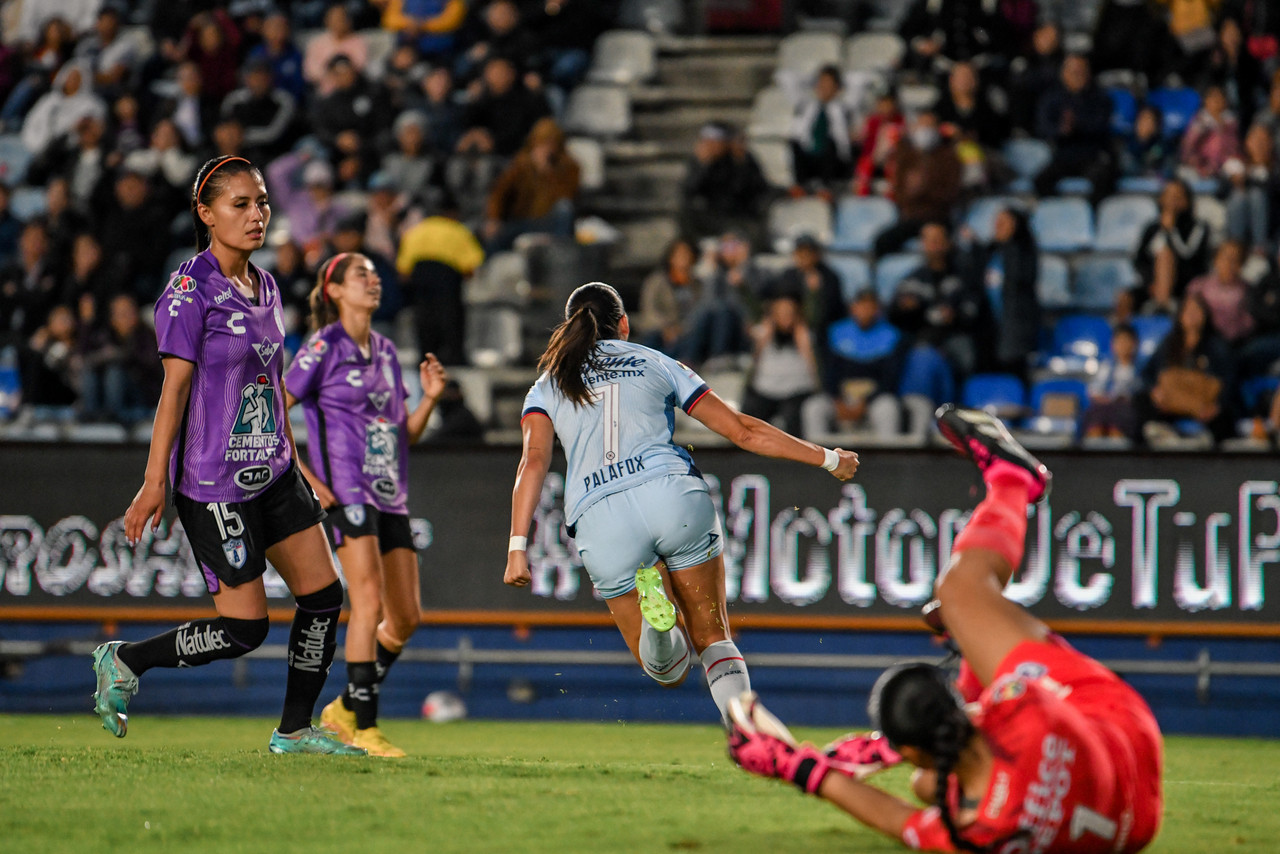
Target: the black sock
(362, 692)
(313, 639)
(386, 658)
(195, 643)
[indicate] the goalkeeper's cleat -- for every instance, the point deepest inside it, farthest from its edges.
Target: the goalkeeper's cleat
(373, 741)
(984, 439)
(655, 607)
(116, 684)
(339, 720)
(311, 740)
(860, 756)
(761, 744)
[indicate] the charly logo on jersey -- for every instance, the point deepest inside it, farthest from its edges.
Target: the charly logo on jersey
(379, 399)
(266, 350)
(235, 553)
(257, 413)
(253, 478)
(354, 514)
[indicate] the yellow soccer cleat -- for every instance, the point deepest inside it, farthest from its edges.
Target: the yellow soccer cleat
(339, 719)
(376, 743)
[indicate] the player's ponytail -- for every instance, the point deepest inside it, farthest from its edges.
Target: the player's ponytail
(323, 309)
(916, 705)
(211, 180)
(593, 313)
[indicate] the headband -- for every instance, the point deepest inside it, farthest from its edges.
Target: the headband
(200, 189)
(328, 271)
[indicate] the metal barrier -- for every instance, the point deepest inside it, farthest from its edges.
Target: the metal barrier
(467, 657)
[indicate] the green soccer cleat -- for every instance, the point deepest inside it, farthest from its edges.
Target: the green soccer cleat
(116, 684)
(311, 740)
(655, 607)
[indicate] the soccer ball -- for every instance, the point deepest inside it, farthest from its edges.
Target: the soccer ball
(443, 706)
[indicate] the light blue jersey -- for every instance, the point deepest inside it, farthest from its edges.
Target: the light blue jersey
(623, 437)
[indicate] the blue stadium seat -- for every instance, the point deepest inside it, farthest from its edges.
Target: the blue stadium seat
(1177, 107)
(1099, 279)
(1076, 186)
(893, 269)
(854, 273)
(1056, 405)
(1082, 336)
(1146, 184)
(1257, 389)
(981, 216)
(1002, 394)
(1053, 282)
(1027, 158)
(1076, 388)
(27, 203)
(1151, 331)
(859, 220)
(1124, 109)
(1121, 220)
(14, 159)
(1063, 225)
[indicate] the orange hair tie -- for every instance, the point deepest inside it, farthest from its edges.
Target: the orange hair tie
(200, 189)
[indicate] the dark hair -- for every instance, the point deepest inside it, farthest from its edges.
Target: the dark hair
(1178, 351)
(1124, 329)
(832, 71)
(323, 309)
(1022, 236)
(592, 313)
(211, 180)
(915, 704)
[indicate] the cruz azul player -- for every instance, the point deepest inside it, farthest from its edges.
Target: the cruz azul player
(1055, 754)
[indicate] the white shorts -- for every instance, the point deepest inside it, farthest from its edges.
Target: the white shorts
(669, 518)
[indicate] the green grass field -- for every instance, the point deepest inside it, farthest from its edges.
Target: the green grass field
(209, 785)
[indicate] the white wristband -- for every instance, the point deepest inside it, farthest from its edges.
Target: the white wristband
(517, 544)
(830, 459)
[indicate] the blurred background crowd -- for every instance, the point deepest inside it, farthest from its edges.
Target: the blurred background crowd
(1065, 210)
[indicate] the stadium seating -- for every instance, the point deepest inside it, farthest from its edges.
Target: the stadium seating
(493, 336)
(854, 273)
(1151, 331)
(873, 52)
(770, 114)
(1147, 184)
(1121, 220)
(1000, 394)
(1214, 213)
(774, 157)
(1177, 108)
(1056, 405)
(1027, 158)
(1256, 391)
(623, 58)
(892, 269)
(790, 218)
(1124, 109)
(1074, 186)
(590, 156)
(803, 53)
(598, 111)
(917, 97)
(1063, 225)
(981, 216)
(859, 219)
(656, 16)
(28, 203)
(14, 159)
(1053, 282)
(1099, 279)
(1081, 338)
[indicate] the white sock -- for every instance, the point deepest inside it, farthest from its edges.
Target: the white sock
(665, 655)
(727, 675)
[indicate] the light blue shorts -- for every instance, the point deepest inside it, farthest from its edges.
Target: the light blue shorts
(668, 518)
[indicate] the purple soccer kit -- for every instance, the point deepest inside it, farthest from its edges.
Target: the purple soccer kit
(355, 411)
(232, 442)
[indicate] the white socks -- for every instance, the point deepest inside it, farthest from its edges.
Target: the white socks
(665, 655)
(726, 673)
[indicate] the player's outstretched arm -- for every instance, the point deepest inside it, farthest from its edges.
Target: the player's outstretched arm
(761, 437)
(535, 462)
(433, 377)
(873, 807)
(148, 504)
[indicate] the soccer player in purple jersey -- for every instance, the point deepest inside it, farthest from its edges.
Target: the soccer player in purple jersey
(222, 438)
(359, 430)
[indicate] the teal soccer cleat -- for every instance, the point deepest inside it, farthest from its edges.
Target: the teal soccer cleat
(116, 684)
(311, 740)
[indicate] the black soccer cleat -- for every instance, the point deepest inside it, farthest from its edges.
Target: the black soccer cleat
(984, 439)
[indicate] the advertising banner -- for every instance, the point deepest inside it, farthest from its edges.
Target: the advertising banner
(1188, 538)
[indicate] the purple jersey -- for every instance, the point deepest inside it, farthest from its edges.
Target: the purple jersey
(357, 435)
(232, 442)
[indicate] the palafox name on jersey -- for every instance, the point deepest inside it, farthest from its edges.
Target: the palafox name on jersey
(612, 472)
(613, 368)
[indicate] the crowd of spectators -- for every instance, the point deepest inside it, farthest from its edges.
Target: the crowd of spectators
(422, 133)
(1173, 100)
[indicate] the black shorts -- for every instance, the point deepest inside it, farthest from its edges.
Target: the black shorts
(365, 520)
(230, 539)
